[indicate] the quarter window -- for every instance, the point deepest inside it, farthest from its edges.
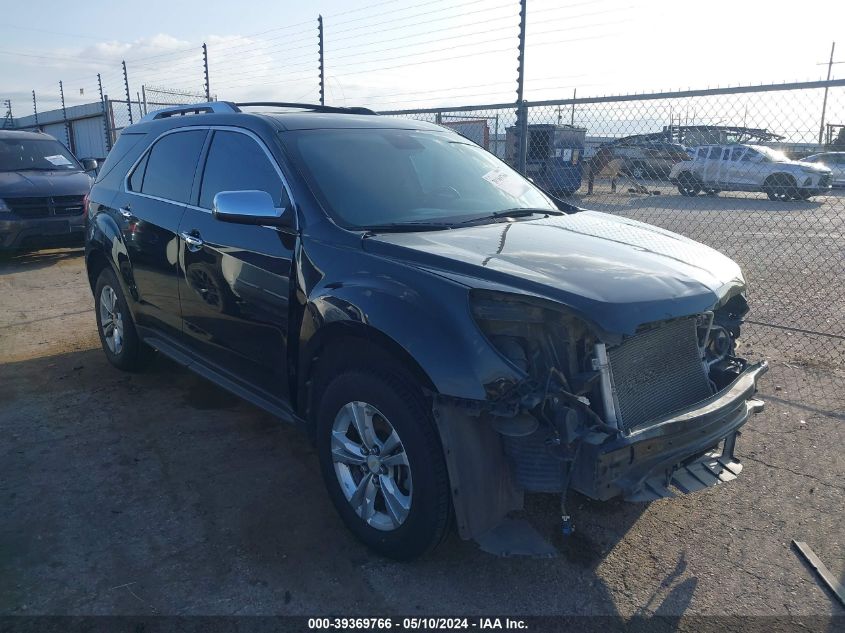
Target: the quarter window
(171, 165)
(136, 180)
(237, 163)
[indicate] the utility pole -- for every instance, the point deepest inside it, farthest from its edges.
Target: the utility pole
(205, 68)
(64, 115)
(35, 108)
(322, 66)
(105, 114)
(824, 101)
(128, 98)
(521, 110)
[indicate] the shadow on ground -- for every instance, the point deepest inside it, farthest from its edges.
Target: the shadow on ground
(156, 493)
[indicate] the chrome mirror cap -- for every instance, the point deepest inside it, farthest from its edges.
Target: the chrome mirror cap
(246, 207)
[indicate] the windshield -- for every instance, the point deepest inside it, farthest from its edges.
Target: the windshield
(19, 154)
(772, 154)
(376, 177)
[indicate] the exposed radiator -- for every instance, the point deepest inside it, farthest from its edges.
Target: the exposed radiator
(657, 372)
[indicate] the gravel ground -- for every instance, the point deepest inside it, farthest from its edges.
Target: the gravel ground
(156, 493)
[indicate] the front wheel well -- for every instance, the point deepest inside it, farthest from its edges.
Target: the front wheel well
(342, 346)
(787, 179)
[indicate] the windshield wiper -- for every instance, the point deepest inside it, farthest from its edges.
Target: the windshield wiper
(517, 212)
(404, 227)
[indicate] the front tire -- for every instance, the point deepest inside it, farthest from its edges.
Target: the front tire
(382, 462)
(118, 335)
(780, 187)
(688, 185)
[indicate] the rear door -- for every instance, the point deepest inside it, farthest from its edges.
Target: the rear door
(712, 166)
(157, 190)
(236, 282)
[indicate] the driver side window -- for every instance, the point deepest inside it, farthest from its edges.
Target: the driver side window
(236, 162)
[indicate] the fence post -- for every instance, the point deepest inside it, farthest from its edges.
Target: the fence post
(322, 67)
(8, 120)
(128, 98)
(205, 70)
(35, 109)
(521, 110)
(824, 101)
(64, 116)
(144, 96)
(105, 114)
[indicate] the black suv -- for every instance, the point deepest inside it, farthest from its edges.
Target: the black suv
(42, 189)
(450, 335)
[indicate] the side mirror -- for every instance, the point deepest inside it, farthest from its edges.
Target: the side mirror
(89, 164)
(250, 207)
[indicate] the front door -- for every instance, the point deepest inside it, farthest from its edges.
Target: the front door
(236, 278)
(150, 210)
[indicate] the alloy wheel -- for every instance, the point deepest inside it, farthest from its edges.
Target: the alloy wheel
(371, 466)
(111, 320)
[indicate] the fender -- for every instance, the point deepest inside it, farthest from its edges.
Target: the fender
(424, 314)
(104, 236)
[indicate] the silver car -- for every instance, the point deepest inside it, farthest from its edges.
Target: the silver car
(835, 161)
(739, 167)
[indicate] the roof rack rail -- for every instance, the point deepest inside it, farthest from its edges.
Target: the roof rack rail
(216, 107)
(314, 107)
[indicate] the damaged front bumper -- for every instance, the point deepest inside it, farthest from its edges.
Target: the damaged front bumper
(679, 451)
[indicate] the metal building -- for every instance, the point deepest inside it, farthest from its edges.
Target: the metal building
(84, 132)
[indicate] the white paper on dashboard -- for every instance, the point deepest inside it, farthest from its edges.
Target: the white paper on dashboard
(58, 159)
(509, 182)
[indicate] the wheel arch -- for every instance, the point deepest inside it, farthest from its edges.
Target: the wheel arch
(335, 342)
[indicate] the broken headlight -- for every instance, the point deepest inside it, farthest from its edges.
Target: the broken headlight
(535, 336)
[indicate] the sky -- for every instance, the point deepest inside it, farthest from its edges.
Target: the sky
(393, 54)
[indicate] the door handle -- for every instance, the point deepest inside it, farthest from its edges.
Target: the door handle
(125, 212)
(194, 242)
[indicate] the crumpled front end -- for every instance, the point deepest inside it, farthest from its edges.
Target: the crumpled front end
(643, 416)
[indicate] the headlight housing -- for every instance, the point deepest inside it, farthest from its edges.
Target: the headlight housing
(532, 334)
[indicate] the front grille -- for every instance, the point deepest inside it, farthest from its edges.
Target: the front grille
(44, 207)
(657, 372)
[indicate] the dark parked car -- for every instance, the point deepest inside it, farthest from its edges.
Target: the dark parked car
(450, 335)
(42, 189)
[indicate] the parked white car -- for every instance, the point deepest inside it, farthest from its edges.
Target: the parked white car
(738, 167)
(835, 161)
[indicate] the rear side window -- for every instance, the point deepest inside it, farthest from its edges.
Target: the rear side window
(170, 167)
(136, 180)
(237, 163)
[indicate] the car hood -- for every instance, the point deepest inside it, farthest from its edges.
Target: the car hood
(822, 169)
(614, 272)
(27, 183)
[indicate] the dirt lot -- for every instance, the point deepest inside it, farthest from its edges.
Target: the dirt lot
(155, 493)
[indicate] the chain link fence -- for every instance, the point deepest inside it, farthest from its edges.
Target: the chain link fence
(121, 113)
(721, 167)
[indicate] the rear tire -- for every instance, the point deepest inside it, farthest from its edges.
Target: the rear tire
(402, 508)
(118, 336)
